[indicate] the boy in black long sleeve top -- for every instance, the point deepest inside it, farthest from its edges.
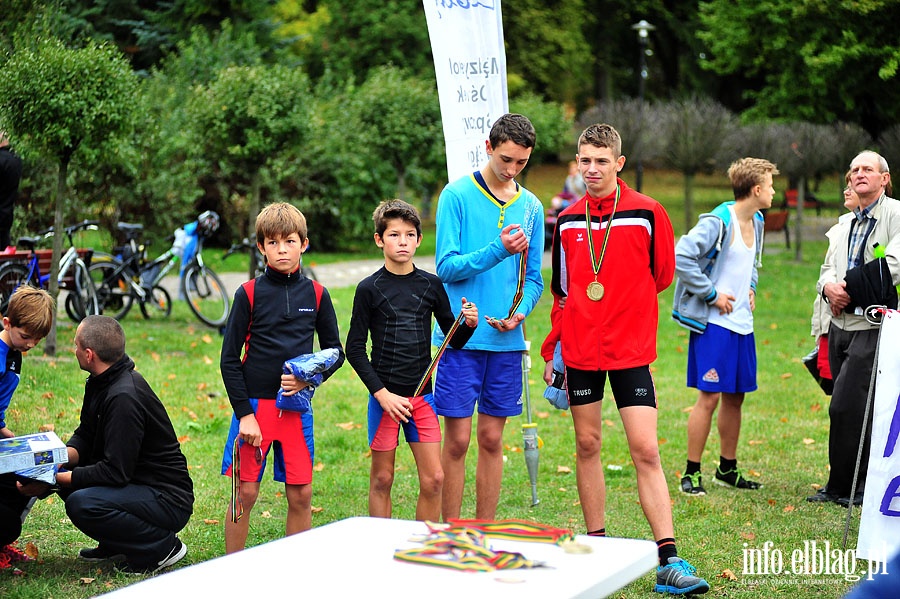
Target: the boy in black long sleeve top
(276, 324)
(395, 306)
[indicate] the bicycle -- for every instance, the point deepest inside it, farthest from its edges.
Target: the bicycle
(127, 276)
(259, 268)
(123, 280)
(74, 275)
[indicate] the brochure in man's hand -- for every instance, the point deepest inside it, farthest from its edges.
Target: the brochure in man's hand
(32, 451)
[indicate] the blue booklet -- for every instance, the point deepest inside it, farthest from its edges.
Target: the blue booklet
(32, 451)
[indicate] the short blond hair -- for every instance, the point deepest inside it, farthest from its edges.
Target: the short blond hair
(31, 309)
(746, 173)
(280, 220)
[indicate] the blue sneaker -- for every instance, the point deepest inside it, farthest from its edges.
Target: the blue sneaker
(679, 578)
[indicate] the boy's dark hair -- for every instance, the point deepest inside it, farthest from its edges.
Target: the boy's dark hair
(395, 209)
(602, 135)
(515, 128)
(280, 220)
(103, 335)
(746, 173)
(31, 309)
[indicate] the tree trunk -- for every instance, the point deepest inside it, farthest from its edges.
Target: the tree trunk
(688, 201)
(798, 227)
(59, 233)
(255, 187)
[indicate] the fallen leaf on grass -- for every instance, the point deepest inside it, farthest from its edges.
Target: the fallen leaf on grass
(47, 395)
(266, 514)
(753, 472)
(788, 509)
(348, 426)
(755, 442)
(319, 467)
(184, 439)
(608, 422)
(562, 490)
(662, 441)
(543, 415)
(815, 407)
(46, 428)
(210, 521)
(315, 509)
(688, 409)
(748, 536)
(773, 326)
(31, 550)
(154, 356)
(206, 339)
(771, 502)
(808, 441)
(515, 449)
(563, 470)
(786, 375)
(207, 360)
(727, 574)
(86, 580)
(816, 486)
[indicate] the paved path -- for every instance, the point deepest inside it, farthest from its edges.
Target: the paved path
(332, 276)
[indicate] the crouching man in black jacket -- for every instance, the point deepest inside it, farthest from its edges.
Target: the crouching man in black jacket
(126, 484)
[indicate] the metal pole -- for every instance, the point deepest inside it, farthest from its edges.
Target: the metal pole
(642, 28)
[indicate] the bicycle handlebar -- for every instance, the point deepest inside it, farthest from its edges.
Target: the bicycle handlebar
(83, 225)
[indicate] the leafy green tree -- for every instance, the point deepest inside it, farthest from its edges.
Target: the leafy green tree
(60, 100)
(244, 117)
(553, 128)
(809, 60)
(694, 132)
(400, 119)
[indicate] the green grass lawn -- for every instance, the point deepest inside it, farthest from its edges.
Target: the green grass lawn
(783, 444)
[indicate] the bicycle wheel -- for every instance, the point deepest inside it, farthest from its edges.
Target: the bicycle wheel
(158, 304)
(205, 294)
(84, 298)
(113, 290)
(12, 276)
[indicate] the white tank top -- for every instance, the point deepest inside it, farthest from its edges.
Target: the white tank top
(734, 278)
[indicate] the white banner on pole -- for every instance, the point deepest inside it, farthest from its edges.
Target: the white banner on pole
(879, 526)
(470, 64)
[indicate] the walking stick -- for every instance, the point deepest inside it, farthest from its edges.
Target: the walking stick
(875, 311)
(529, 429)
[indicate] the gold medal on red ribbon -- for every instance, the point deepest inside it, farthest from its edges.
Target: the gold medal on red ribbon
(595, 291)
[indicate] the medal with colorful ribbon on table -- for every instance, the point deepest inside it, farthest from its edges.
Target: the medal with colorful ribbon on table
(595, 289)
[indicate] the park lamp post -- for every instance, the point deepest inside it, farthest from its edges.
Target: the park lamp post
(643, 28)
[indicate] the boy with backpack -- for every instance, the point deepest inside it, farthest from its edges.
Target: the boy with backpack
(274, 318)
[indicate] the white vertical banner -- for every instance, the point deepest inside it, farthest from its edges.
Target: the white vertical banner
(470, 64)
(879, 526)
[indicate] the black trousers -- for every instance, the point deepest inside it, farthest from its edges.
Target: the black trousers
(851, 355)
(135, 520)
(12, 503)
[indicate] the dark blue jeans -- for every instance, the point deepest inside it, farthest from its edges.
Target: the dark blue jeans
(136, 521)
(12, 503)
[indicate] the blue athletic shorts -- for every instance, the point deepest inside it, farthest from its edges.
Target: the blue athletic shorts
(465, 377)
(721, 361)
(289, 434)
(422, 426)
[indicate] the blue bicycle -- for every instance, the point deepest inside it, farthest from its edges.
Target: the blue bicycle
(74, 275)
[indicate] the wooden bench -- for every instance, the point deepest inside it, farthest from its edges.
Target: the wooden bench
(778, 221)
(45, 260)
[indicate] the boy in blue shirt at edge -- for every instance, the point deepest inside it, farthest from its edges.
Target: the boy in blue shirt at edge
(28, 319)
(395, 305)
(487, 225)
(276, 325)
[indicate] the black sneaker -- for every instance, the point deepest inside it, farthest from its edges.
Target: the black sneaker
(823, 496)
(734, 478)
(175, 555)
(692, 484)
(845, 501)
(679, 578)
(99, 554)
